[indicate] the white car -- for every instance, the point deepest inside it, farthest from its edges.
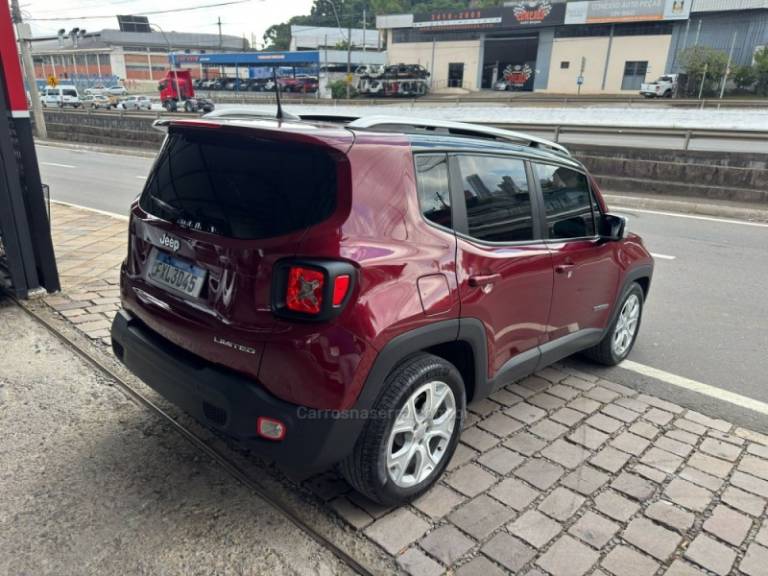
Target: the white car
(117, 90)
(664, 87)
(60, 96)
(136, 103)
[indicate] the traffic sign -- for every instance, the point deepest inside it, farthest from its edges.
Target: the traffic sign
(52, 81)
(580, 80)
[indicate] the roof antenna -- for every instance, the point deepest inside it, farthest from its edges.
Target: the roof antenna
(279, 115)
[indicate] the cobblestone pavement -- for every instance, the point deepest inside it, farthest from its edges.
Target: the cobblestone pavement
(562, 473)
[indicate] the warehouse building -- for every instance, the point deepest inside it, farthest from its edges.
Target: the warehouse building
(591, 47)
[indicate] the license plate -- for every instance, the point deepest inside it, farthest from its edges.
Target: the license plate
(176, 274)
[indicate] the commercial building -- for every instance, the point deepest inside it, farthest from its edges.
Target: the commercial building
(86, 57)
(592, 47)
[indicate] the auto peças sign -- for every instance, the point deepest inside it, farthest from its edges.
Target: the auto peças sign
(512, 15)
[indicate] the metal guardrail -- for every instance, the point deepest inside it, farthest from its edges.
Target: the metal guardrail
(232, 97)
(554, 132)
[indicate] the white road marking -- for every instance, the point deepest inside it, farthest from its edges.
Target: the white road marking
(695, 386)
(141, 177)
(663, 256)
(695, 217)
(104, 212)
(58, 165)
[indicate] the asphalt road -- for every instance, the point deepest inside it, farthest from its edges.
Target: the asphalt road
(706, 318)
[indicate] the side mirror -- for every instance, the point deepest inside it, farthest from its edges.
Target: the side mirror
(612, 227)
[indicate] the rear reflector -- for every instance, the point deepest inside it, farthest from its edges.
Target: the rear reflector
(340, 288)
(304, 292)
(270, 428)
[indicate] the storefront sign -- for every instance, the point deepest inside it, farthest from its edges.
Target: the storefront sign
(518, 75)
(512, 15)
(598, 11)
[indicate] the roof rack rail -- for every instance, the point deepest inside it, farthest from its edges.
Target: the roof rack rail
(457, 129)
(236, 113)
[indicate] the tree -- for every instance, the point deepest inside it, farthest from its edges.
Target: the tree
(700, 60)
(761, 71)
(744, 77)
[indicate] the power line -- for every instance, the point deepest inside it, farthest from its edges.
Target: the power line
(150, 13)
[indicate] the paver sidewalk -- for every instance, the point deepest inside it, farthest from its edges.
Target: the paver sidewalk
(562, 473)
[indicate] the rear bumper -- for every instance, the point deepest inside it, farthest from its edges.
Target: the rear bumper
(230, 402)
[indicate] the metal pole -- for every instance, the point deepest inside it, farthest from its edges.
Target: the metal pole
(29, 69)
(698, 33)
(728, 66)
(432, 66)
(607, 58)
(349, 60)
(703, 78)
(364, 27)
(98, 64)
(53, 67)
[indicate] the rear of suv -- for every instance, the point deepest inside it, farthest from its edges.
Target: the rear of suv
(335, 294)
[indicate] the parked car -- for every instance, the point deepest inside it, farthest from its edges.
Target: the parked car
(93, 90)
(60, 96)
(337, 294)
(117, 90)
(97, 101)
(136, 103)
(664, 87)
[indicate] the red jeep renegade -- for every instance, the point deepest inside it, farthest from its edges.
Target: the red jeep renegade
(337, 293)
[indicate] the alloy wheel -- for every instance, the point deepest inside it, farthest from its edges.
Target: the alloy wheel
(421, 434)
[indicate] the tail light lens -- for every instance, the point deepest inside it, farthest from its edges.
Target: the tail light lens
(340, 289)
(304, 292)
(315, 290)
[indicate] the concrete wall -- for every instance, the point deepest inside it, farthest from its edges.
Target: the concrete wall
(653, 49)
(466, 51)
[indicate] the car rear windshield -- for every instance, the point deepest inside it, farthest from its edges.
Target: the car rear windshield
(240, 187)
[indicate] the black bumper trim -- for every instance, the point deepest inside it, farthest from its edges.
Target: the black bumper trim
(230, 402)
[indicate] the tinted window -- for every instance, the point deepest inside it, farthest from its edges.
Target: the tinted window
(497, 198)
(567, 200)
(240, 187)
(70, 92)
(434, 195)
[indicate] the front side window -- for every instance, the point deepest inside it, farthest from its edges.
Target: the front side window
(567, 201)
(434, 193)
(497, 198)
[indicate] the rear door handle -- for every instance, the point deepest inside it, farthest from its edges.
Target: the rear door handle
(563, 268)
(483, 280)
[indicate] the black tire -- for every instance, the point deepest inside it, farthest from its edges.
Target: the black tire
(365, 469)
(603, 353)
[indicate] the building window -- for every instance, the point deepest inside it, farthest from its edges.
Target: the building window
(456, 75)
(564, 65)
(634, 74)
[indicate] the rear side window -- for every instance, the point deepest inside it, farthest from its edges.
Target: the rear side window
(240, 187)
(567, 200)
(497, 198)
(434, 193)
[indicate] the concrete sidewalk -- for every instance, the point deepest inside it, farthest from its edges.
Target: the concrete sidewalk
(562, 473)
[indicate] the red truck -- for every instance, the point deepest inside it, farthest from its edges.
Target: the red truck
(177, 88)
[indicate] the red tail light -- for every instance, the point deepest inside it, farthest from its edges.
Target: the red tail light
(311, 290)
(340, 289)
(304, 292)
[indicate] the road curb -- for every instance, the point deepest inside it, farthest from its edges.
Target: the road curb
(692, 206)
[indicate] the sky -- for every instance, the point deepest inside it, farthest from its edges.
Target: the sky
(250, 18)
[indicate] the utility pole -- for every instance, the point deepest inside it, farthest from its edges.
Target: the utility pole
(364, 27)
(221, 43)
(728, 66)
(23, 34)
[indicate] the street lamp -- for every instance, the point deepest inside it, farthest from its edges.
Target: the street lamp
(173, 60)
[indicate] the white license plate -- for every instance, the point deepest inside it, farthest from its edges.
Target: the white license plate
(175, 274)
